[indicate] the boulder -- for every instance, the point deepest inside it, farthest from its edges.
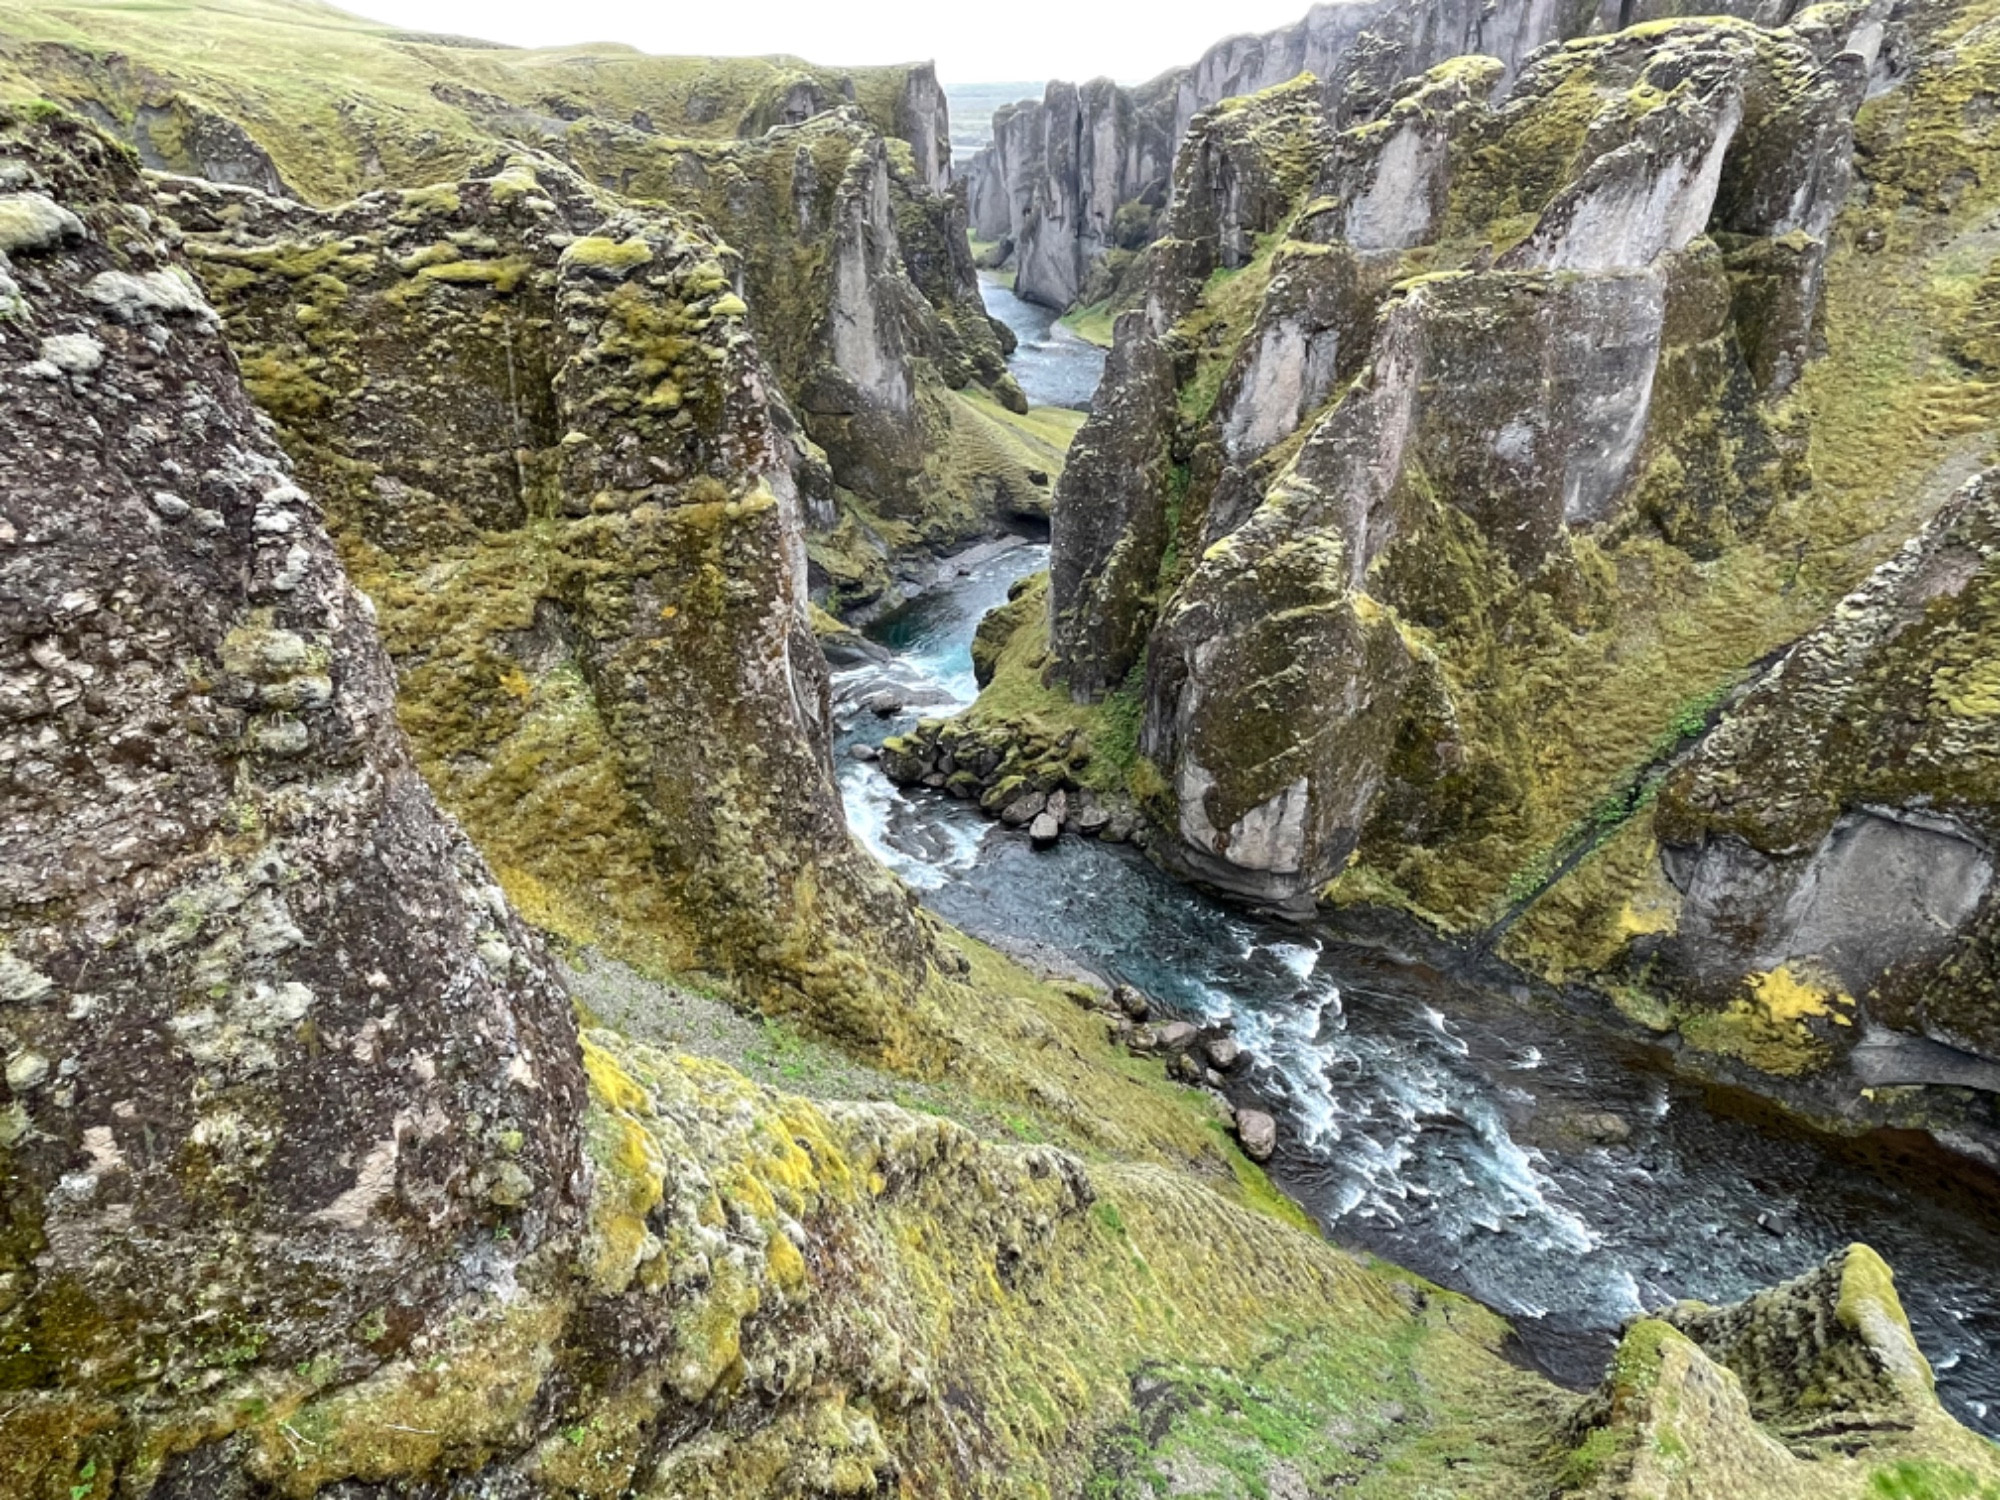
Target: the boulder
(1257, 1132)
(1058, 806)
(1224, 1052)
(1024, 809)
(1131, 1001)
(1092, 820)
(884, 704)
(1178, 1036)
(1044, 831)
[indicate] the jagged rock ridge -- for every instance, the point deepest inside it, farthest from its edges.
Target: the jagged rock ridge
(1085, 172)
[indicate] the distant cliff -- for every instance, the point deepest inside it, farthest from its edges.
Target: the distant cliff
(1085, 172)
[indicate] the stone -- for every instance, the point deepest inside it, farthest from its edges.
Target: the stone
(1224, 1053)
(1024, 809)
(73, 353)
(1057, 806)
(1131, 1001)
(1092, 820)
(864, 752)
(1044, 830)
(884, 704)
(26, 1070)
(130, 298)
(1178, 1036)
(1258, 1134)
(32, 222)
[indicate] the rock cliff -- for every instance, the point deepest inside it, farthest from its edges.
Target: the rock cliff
(1459, 467)
(549, 444)
(834, 187)
(1076, 181)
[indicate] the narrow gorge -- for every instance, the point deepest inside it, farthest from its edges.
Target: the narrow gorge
(1274, 784)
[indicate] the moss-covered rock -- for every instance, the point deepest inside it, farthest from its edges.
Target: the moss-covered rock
(1448, 496)
(848, 247)
(282, 1065)
(578, 501)
(1813, 1387)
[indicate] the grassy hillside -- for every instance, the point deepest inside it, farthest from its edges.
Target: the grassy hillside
(341, 105)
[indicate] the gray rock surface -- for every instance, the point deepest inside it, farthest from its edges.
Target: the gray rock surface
(1258, 1133)
(278, 1052)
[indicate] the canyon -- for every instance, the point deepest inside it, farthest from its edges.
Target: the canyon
(511, 984)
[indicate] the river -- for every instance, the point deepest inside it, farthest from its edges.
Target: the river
(1561, 1175)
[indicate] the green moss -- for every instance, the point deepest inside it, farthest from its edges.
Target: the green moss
(1092, 323)
(594, 253)
(1019, 703)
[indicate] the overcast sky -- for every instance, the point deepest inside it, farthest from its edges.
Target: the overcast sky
(1016, 40)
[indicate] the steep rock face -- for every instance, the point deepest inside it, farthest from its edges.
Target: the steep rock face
(549, 446)
(1112, 515)
(1540, 427)
(1490, 410)
(1060, 170)
(833, 187)
(278, 1055)
(1830, 842)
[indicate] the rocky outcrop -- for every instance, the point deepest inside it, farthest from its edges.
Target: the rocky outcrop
(1830, 842)
(1462, 467)
(1772, 1391)
(549, 444)
(1284, 699)
(1085, 171)
(280, 1059)
(1110, 536)
(833, 189)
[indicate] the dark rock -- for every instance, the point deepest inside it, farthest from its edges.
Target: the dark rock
(1024, 809)
(1131, 1001)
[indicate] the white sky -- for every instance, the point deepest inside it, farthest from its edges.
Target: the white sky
(1013, 41)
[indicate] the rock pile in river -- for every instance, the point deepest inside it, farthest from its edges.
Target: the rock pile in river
(1024, 779)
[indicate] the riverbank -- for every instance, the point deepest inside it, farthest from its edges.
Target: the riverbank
(1483, 1135)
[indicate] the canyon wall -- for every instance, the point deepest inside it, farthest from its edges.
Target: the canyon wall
(1483, 516)
(1076, 181)
(313, 1182)
(843, 226)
